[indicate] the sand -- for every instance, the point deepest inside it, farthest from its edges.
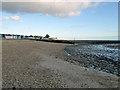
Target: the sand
(38, 64)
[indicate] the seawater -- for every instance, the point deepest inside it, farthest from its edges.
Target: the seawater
(103, 57)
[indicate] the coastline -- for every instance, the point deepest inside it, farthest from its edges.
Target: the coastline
(37, 64)
(100, 57)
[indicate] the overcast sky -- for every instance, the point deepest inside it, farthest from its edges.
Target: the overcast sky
(65, 20)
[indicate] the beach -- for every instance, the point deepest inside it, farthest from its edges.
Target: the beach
(39, 64)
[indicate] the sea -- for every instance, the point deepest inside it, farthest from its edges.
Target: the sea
(98, 55)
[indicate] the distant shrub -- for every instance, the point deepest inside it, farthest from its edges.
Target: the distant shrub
(47, 36)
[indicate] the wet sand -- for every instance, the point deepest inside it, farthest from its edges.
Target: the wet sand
(37, 64)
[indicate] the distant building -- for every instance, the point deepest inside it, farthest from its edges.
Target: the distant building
(54, 38)
(1, 35)
(18, 37)
(10, 36)
(31, 37)
(43, 38)
(15, 36)
(26, 37)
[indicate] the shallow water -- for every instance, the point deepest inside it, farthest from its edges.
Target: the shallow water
(103, 57)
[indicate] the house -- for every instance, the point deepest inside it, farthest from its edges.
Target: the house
(18, 37)
(15, 36)
(8, 36)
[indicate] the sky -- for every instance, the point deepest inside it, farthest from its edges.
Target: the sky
(73, 20)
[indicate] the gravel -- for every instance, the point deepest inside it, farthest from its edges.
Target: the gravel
(37, 64)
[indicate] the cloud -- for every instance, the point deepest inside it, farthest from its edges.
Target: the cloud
(7, 18)
(58, 9)
(12, 18)
(21, 21)
(16, 18)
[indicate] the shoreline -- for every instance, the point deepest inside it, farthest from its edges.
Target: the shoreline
(28, 63)
(88, 54)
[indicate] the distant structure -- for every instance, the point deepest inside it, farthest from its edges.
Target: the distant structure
(31, 37)
(54, 38)
(34, 37)
(10, 36)
(47, 36)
